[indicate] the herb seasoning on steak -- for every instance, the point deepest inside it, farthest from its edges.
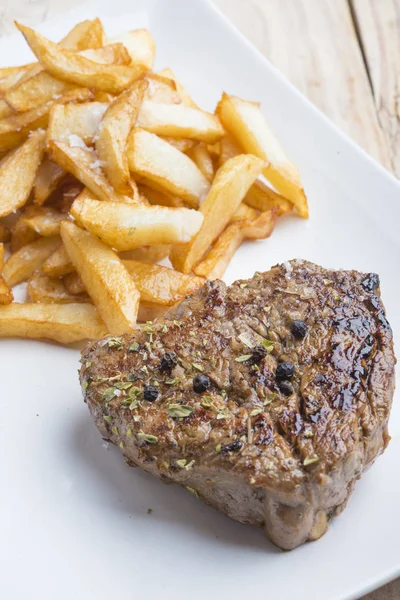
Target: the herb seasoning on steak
(280, 454)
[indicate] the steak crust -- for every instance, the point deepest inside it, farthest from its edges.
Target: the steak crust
(292, 414)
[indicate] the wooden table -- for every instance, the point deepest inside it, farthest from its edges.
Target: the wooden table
(344, 55)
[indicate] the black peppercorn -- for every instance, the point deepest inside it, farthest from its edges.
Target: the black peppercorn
(286, 388)
(285, 370)
(150, 393)
(232, 447)
(299, 329)
(168, 361)
(201, 383)
(371, 282)
(258, 353)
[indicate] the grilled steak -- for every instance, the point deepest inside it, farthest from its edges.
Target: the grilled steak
(266, 399)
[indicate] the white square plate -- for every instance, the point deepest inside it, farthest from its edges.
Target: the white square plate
(73, 519)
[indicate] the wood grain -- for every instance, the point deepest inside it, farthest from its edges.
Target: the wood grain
(379, 29)
(323, 59)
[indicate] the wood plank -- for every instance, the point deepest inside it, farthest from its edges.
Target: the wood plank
(379, 29)
(313, 42)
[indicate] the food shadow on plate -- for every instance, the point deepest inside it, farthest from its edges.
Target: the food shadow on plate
(108, 480)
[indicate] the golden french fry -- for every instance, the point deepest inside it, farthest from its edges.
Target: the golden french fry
(63, 323)
(129, 226)
(85, 166)
(1, 256)
(58, 263)
(228, 148)
(161, 89)
(164, 167)
(75, 122)
(47, 224)
(10, 76)
(18, 173)
(245, 121)
(21, 265)
(160, 198)
(262, 197)
(16, 128)
(21, 234)
(71, 67)
(6, 295)
(216, 261)
(161, 285)
(140, 45)
(84, 35)
(34, 91)
(178, 120)
(48, 176)
(105, 278)
(186, 99)
(73, 283)
(5, 233)
(113, 133)
(181, 144)
(5, 110)
(150, 254)
(113, 54)
(202, 158)
(229, 187)
(47, 290)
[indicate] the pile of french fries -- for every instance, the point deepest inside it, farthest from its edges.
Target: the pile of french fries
(108, 168)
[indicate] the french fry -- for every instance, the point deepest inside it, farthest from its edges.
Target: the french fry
(245, 121)
(85, 166)
(229, 187)
(228, 148)
(48, 176)
(262, 197)
(5, 233)
(216, 261)
(73, 283)
(1, 256)
(18, 173)
(76, 120)
(58, 263)
(5, 110)
(21, 234)
(161, 285)
(113, 54)
(149, 254)
(63, 323)
(128, 226)
(21, 265)
(34, 91)
(178, 120)
(105, 278)
(181, 144)
(73, 68)
(164, 167)
(161, 89)
(46, 224)
(6, 295)
(160, 198)
(202, 158)
(10, 76)
(113, 133)
(186, 99)
(16, 128)
(140, 45)
(47, 290)
(84, 35)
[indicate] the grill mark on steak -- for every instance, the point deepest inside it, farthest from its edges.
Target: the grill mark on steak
(285, 462)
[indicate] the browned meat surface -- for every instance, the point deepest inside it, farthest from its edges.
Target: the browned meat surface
(267, 398)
